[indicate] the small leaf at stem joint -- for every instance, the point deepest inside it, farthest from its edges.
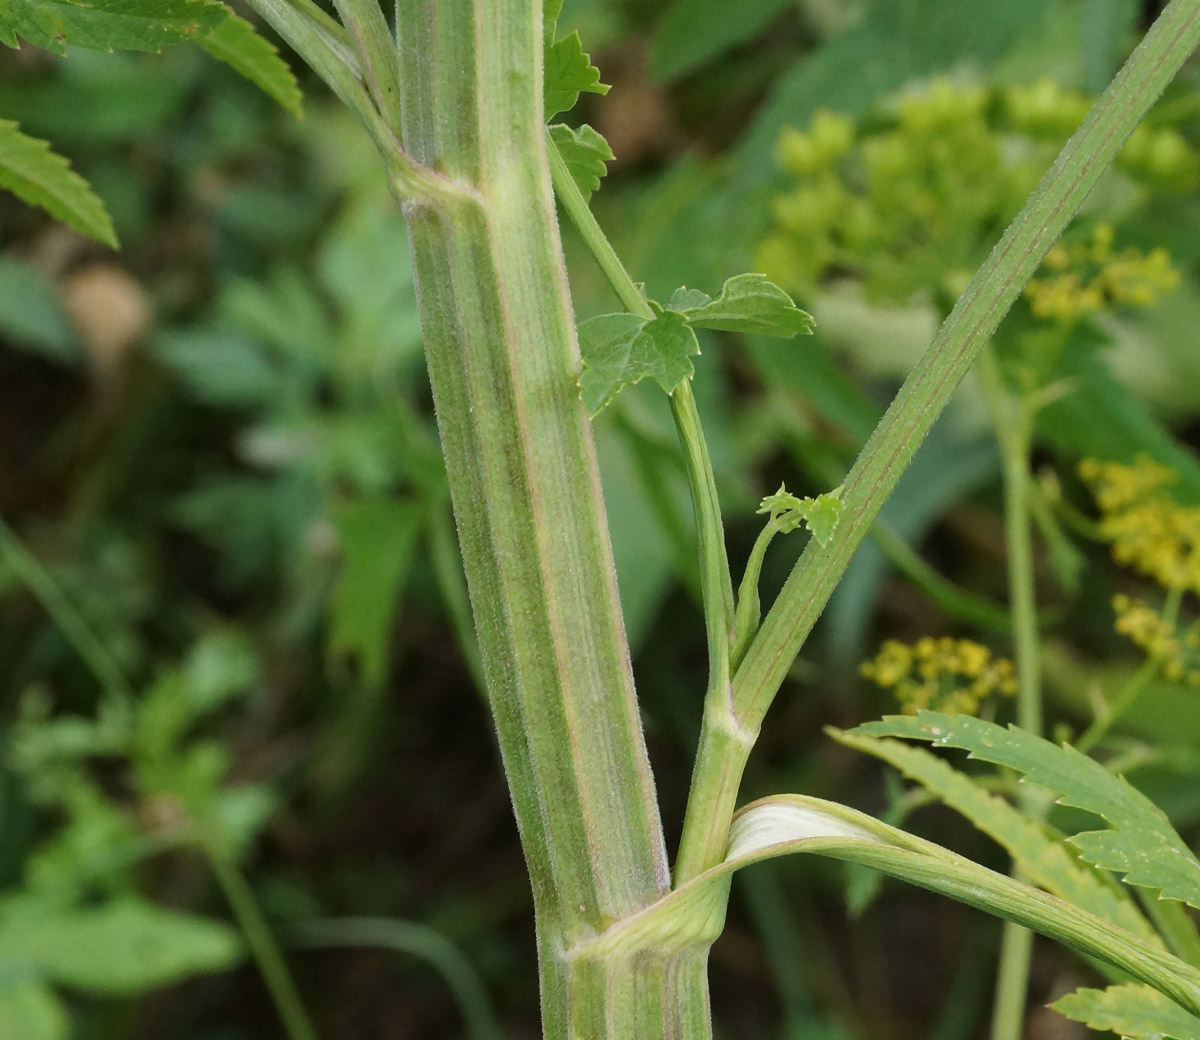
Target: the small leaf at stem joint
(622, 349)
(569, 72)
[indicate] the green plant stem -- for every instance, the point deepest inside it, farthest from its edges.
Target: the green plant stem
(1129, 693)
(1012, 982)
(416, 940)
(724, 739)
(91, 650)
(263, 948)
(504, 362)
(365, 23)
(924, 394)
(1012, 419)
(1121, 703)
(329, 52)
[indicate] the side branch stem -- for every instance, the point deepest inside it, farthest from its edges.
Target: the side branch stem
(964, 334)
(720, 720)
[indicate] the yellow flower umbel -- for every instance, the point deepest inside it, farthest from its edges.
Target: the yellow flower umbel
(1148, 529)
(909, 199)
(1178, 653)
(949, 675)
(1089, 277)
(1156, 536)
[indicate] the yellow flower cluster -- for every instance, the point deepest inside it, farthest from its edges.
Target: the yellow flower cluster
(899, 204)
(909, 199)
(950, 675)
(1148, 529)
(1178, 654)
(827, 140)
(1087, 277)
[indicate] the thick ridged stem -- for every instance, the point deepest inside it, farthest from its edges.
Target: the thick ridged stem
(504, 362)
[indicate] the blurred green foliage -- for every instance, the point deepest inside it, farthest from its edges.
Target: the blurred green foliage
(219, 446)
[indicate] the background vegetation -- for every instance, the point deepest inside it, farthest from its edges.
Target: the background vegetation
(233, 630)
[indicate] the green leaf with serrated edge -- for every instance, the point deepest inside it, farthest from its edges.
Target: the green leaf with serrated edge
(31, 171)
(585, 152)
(1142, 844)
(622, 349)
(30, 1010)
(569, 72)
(1043, 860)
(820, 514)
(1132, 1010)
(784, 824)
(106, 25)
(235, 42)
(751, 303)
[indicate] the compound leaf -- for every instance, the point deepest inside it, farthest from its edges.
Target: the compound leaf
(1043, 860)
(585, 152)
(105, 25)
(748, 303)
(235, 42)
(1142, 844)
(1134, 1011)
(30, 170)
(569, 72)
(622, 349)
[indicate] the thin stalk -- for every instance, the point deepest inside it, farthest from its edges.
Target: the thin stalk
(78, 633)
(263, 948)
(924, 394)
(720, 724)
(1129, 693)
(717, 584)
(1013, 423)
(327, 50)
(365, 23)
